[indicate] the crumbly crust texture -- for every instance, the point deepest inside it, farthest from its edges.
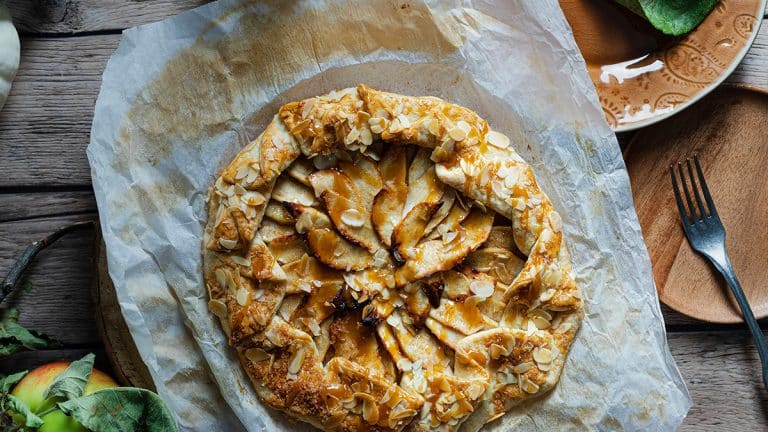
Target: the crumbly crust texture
(386, 262)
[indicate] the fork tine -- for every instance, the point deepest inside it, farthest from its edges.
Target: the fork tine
(704, 188)
(696, 194)
(680, 207)
(684, 186)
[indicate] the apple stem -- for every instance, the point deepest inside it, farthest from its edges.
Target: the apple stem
(48, 411)
(12, 279)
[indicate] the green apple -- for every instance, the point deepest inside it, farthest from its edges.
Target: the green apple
(31, 388)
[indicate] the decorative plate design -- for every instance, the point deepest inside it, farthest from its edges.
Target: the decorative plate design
(384, 262)
(643, 76)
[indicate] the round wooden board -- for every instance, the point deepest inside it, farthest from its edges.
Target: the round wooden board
(127, 365)
(728, 131)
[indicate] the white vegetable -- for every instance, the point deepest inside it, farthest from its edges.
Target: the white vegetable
(9, 52)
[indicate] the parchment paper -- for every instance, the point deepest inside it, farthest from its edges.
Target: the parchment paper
(181, 97)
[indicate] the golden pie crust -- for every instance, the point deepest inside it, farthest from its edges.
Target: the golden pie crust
(386, 262)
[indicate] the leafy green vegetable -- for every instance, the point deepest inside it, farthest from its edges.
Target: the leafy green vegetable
(30, 419)
(121, 410)
(7, 382)
(14, 337)
(71, 383)
(672, 17)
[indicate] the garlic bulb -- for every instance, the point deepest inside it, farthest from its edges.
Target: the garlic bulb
(9, 53)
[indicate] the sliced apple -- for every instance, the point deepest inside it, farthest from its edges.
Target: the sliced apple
(445, 334)
(308, 217)
(323, 340)
(335, 180)
(416, 302)
(423, 185)
(352, 220)
(500, 263)
(300, 171)
(306, 274)
(455, 284)
(464, 317)
(365, 174)
(449, 198)
(420, 345)
(278, 213)
(451, 222)
(335, 251)
(501, 237)
(288, 190)
(271, 230)
(288, 248)
(388, 205)
(358, 343)
(316, 307)
(432, 256)
(411, 229)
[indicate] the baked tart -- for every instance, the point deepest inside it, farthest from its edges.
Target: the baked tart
(385, 262)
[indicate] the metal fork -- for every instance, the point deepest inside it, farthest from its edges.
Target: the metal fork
(706, 235)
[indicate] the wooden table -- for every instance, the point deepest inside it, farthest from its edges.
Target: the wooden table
(45, 182)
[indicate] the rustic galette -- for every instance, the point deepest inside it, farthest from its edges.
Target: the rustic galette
(386, 262)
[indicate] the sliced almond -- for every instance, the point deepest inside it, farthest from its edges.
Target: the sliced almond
(482, 288)
(497, 139)
(542, 355)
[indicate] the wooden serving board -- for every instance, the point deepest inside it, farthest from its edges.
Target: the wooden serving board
(727, 130)
(127, 365)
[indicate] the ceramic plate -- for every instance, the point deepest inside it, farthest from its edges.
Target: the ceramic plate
(643, 76)
(726, 129)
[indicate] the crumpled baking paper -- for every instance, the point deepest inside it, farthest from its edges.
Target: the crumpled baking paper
(181, 97)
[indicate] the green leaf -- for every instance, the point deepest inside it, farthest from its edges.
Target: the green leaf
(121, 410)
(30, 419)
(672, 17)
(71, 383)
(14, 337)
(9, 381)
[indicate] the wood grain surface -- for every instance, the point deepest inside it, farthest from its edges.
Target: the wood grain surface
(45, 183)
(725, 130)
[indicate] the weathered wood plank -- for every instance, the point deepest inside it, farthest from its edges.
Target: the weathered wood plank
(29, 360)
(60, 16)
(75, 16)
(45, 125)
(722, 372)
(29, 205)
(59, 303)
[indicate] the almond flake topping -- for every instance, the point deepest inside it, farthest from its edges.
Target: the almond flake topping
(218, 308)
(542, 355)
(242, 296)
(423, 283)
(482, 288)
(497, 139)
(297, 361)
(353, 218)
(227, 243)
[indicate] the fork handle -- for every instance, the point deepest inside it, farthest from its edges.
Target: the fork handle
(746, 311)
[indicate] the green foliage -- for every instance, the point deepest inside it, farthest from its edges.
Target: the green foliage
(109, 410)
(121, 410)
(14, 337)
(30, 419)
(70, 384)
(672, 17)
